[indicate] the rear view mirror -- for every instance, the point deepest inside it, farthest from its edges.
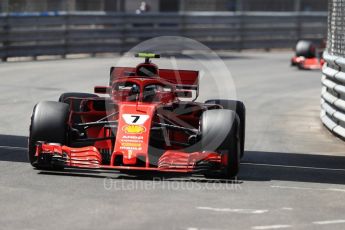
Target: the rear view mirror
(184, 94)
(102, 89)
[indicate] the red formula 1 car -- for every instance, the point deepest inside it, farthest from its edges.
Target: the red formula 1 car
(140, 125)
(308, 56)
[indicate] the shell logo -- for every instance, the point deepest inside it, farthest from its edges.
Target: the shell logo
(134, 129)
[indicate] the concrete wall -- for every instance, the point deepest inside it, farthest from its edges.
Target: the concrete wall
(156, 5)
(205, 5)
(254, 5)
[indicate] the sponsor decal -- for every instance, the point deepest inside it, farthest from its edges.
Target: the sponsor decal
(134, 129)
(135, 119)
(131, 138)
(131, 144)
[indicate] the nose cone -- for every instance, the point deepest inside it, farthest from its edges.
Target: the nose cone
(133, 133)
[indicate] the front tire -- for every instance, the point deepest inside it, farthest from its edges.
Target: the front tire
(220, 133)
(240, 109)
(48, 124)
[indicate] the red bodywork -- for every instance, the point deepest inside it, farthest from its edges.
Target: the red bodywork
(307, 63)
(129, 126)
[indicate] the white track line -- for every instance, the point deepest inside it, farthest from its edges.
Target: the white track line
(12, 147)
(324, 222)
(307, 188)
(277, 226)
(293, 166)
(243, 211)
(287, 208)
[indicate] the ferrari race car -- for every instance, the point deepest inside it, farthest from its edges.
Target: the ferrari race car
(308, 56)
(147, 120)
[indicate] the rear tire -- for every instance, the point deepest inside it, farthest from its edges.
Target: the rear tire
(219, 132)
(240, 109)
(48, 124)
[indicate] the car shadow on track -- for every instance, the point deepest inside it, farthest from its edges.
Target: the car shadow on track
(256, 166)
(13, 148)
(154, 177)
(267, 166)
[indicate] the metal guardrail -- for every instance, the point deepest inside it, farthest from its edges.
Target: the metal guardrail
(72, 33)
(333, 94)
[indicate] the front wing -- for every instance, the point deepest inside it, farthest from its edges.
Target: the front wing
(51, 154)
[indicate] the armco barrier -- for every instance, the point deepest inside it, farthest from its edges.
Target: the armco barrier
(71, 33)
(333, 94)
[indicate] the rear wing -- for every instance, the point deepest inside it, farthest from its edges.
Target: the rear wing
(182, 79)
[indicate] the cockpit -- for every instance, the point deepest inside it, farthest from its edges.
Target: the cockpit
(151, 92)
(156, 92)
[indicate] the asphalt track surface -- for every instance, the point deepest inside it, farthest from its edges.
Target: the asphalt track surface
(292, 175)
